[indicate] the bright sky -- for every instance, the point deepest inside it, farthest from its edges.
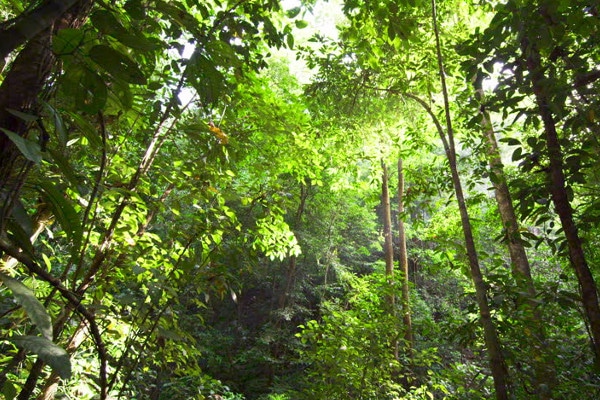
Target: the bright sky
(325, 16)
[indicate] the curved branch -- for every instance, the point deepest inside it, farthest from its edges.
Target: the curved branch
(73, 300)
(427, 108)
(30, 25)
(434, 118)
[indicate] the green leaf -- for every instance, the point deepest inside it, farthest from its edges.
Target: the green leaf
(292, 13)
(179, 15)
(87, 129)
(206, 79)
(91, 93)
(67, 171)
(136, 41)
(32, 306)
(9, 390)
(59, 125)
(24, 116)
(135, 9)
(67, 40)
(63, 210)
(53, 355)
(118, 65)
(301, 24)
(21, 217)
(510, 141)
(107, 23)
(120, 90)
(31, 150)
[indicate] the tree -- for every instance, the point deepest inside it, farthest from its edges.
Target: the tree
(107, 160)
(557, 57)
(406, 317)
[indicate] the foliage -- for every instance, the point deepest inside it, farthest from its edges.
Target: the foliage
(180, 218)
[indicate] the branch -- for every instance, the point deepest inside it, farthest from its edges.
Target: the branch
(32, 24)
(584, 79)
(427, 108)
(75, 302)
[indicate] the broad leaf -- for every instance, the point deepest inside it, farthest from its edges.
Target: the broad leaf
(35, 310)
(67, 41)
(118, 65)
(24, 116)
(91, 93)
(31, 150)
(63, 210)
(53, 355)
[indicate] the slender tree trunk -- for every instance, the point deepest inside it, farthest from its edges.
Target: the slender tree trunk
(560, 197)
(406, 316)
(545, 377)
(388, 246)
(496, 358)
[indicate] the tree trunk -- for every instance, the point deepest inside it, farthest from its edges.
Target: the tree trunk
(496, 359)
(560, 197)
(406, 317)
(545, 377)
(388, 246)
(21, 88)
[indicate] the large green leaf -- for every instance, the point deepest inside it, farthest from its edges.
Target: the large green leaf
(117, 64)
(63, 210)
(91, 93)
(53, 355)
(35, 310)
(87, 129)
(106, 22)
(67, 41)
(30, 149)
(206, 79)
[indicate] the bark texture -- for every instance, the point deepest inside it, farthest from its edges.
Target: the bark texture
(492, 341)
(24, 83)
(560, 197)
(545, 376)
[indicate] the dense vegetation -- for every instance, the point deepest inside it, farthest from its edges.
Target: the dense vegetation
(180, 218)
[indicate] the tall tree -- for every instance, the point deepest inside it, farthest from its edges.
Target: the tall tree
(545, 374)
(547, 49)
(388, 245)
(496, 358)
(406, 315)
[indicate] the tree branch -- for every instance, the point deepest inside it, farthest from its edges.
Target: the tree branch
(30, 25)
(75, 302)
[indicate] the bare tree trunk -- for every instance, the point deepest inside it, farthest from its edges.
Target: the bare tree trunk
(560, 198)
(388, 246)
(406, 315)
(494, 348)
(387, 226)
(545, 376)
